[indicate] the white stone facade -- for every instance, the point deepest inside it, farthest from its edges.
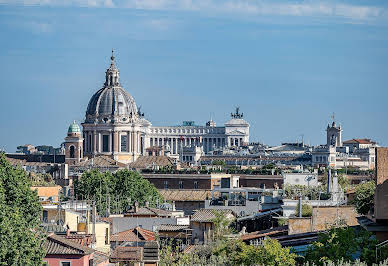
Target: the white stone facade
(358, 153)
(114, 126)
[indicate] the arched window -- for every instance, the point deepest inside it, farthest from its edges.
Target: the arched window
(72, 152)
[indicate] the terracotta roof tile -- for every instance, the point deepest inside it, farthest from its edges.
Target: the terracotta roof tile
(57, 245)
(359, 141)
(145, 162)
(101, 161)
(172, 227)
(207, 215)
(132, 235)
(186, 194)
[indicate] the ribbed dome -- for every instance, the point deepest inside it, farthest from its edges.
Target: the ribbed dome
(112, 101)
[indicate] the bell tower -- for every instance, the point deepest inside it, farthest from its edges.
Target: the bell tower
(334, 134)
(73, 145)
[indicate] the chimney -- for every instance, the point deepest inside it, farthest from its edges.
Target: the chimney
(147, 204)
(136, 207)
(173, 206)
(67, 230)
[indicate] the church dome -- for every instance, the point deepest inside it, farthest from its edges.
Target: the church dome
(111, 103)
(74, 128)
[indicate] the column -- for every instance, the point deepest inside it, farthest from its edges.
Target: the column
(94, 142)
(136, 142)
(111, 141)
(115, 141)
(128, 141)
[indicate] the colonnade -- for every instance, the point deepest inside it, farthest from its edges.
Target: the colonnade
(110, 141)
(176, 143)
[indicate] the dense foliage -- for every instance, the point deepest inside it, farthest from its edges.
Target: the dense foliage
(225, 251)
(364, 197)
(20, 212)
(116, 192)
(342, 243)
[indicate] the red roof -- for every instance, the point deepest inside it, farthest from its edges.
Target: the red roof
(359, 141)
(82, 239)
(132, 235)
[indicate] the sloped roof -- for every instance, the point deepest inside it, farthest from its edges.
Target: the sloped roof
(82, 239)
(359, 141)
(172, 227)
(57, 245)
(207, 215)
(100, 257)
(268, 232)
(145, 162)
(148, 211)
(185, 195)
(101, 161)
(132, 235)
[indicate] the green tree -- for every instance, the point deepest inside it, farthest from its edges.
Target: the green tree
(343, 181)
(20, 213)
(117, 191)
(364, 197)
(342, 243)
(221, 224)
(272, 253)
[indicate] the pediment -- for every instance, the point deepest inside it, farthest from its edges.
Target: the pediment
(236, 132)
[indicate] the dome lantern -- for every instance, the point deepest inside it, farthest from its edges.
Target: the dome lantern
(112, 103)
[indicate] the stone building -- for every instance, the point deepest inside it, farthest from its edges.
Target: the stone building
(115, 126)
(355, 153)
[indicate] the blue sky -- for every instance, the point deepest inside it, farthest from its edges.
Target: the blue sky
(288, 64)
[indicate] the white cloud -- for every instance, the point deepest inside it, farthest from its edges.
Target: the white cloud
(237, 7)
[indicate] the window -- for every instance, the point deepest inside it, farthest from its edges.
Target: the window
(106, 236)
(105, 143)
(89, 143)
(180, 184)
(123, 142)
(195, 184)
(72, 152)
(65, 263)
(165, 184)
(45, 216)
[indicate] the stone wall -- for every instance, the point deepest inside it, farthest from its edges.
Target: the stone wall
(381, 196)
(322, 218)
(298, 225)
